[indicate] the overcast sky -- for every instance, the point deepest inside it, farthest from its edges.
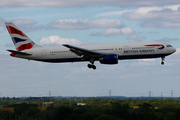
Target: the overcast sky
(54, 22)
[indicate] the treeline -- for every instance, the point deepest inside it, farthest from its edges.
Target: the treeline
(96, 109)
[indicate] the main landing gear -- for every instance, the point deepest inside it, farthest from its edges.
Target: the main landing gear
(92, 64)
(162, 62)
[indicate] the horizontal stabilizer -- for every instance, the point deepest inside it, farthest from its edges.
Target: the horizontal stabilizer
(19, 53)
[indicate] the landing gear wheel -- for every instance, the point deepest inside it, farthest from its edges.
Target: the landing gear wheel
(94, 67)
(162, 63)
(91, 66)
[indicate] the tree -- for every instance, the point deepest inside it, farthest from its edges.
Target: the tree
(25, 110)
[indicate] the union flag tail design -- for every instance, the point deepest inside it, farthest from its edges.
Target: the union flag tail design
(20, 40)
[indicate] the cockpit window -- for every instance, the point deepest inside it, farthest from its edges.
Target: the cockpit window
(169, 46)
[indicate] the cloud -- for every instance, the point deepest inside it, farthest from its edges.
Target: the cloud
(58, 40)
(127, 31)
(24, 22)
(114, 13)
(19, 21)
(168, 40)
(114, 32)
(144, 62)
(9, 45)
(136, 37)
(152, 12)
(2, 22)
(66, 24)
(71, 24)
(80, 3)
(167, 16)
(27, 25)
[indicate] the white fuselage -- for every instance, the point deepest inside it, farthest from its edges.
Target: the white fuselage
(124, 51)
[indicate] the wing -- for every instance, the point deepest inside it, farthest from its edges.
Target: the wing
(84, 52)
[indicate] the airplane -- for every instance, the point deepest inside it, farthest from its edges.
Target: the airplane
(105, 53)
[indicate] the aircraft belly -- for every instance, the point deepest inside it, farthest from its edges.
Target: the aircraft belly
(59, 58)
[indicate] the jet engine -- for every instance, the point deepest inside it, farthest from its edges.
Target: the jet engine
(109, 59)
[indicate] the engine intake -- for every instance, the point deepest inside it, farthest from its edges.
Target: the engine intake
(109, 59)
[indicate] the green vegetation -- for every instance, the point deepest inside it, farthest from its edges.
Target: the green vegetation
(95, 109)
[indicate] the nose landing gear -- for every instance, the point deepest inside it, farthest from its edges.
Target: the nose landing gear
(162, 62)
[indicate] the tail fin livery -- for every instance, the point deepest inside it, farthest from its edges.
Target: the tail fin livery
(20, 40)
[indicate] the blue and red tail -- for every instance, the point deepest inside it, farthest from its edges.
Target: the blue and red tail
(20, 40)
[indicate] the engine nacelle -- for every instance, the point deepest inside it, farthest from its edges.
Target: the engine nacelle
(109, 59)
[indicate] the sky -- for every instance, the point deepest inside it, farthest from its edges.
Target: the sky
(56, 22)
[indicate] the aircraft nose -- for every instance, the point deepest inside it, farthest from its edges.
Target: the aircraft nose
(173, 50)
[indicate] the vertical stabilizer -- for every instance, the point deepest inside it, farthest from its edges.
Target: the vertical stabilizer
(20, 40)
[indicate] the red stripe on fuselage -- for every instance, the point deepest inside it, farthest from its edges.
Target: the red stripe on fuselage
(25, 46)
(15, 31)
